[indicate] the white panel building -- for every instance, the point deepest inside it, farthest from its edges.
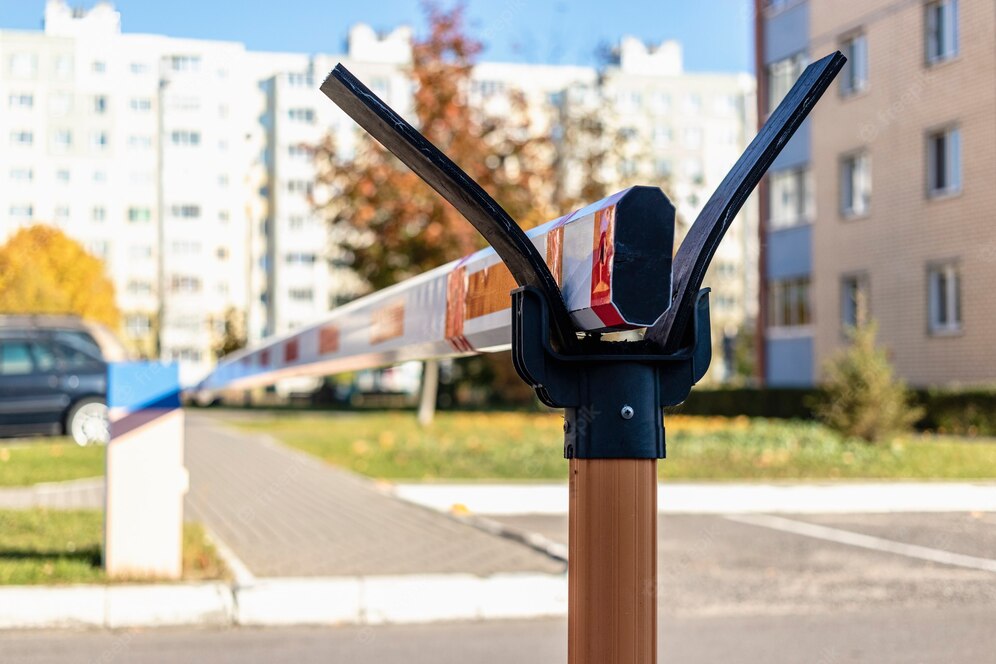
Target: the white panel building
(184, 164)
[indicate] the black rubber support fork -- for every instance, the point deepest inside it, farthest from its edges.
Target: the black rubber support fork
(438, 171)
(697, 249)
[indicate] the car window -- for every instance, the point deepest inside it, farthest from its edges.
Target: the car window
(77, 358)
(44, 357)
(15, 360)
(80, 340)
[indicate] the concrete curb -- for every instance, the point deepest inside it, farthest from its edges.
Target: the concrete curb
(23, 607)
(721, 498)
(371, 600)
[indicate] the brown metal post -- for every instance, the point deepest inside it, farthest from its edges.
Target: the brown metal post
(612, 562)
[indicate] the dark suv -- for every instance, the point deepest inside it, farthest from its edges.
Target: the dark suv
(53, 378)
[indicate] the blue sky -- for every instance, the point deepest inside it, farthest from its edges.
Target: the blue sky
(717, 34)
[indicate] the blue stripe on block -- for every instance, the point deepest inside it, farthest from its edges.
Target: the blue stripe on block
(137, 386)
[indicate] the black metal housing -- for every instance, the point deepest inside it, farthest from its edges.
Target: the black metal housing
(614, 392)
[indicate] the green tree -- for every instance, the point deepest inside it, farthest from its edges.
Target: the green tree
(861, 396)
(43, 271)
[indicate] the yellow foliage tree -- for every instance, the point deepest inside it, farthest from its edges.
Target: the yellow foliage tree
(43, 271)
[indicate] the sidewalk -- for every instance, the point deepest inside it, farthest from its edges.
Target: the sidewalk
(286, 514)
(85, 494)
(308, 544)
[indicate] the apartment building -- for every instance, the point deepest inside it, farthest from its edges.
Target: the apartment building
(136, 146)
(678, 130)
(186, 164)
(684, 131)
(882, 210)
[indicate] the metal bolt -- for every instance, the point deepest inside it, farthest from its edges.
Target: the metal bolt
(627, 412)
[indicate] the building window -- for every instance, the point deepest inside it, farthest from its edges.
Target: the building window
(63, 66)
(63, 175)
(100, 104)
(790, 198)
(693, 138)
(854, 77)
(138, 326)
(788, 302)
(186, 247)
(301, 294)
(98, 140)
(22, 138)
(139, 214)
(140, 252)
(62, 139)
(140, 142)
(782, 74)
(22, 174)
(140, 104)
(693, 103)
(299, 258)
(62, 212)
(136, 287)
(60, 103)
(99, 248)
(186, 138)
(854, 304)
(301, 115)
(693, 170)
(99, 66)
(299, 187)
(100, 176)
(298, 151)
(855, 185)
(23, 65)
(21, 100)
(942, 30)
(186, 211)
(663, 168)
(944, 162)
(185, 63)
(21, 211)
(138, 68)
(98, 213)
(298, 80)
(185, 284)
(944, 298)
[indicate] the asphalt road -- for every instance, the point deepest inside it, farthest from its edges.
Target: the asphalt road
(912, 636)
(729, 592)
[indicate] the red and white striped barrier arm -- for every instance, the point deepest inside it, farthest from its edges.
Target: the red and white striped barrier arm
(611, 259)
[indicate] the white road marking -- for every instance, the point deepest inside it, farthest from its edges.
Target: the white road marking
(864, 541)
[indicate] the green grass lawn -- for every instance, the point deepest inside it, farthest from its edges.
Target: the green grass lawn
(32, 460)
(40, 546)
(522, 446)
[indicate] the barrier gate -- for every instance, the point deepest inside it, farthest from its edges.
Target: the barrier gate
(602, 268)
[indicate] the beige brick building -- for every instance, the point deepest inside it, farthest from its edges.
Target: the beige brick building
(903, 158)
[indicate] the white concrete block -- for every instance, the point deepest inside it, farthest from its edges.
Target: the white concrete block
(421, 598)
(168, 604)
(303, 601)
(31, 607)
(523, 596)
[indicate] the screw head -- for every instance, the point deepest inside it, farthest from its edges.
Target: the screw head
(627, 412)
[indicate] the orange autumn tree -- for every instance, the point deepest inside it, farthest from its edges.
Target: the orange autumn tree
(394, 226)
(43, 271)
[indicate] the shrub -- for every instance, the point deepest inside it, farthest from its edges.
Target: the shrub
(861, 395)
